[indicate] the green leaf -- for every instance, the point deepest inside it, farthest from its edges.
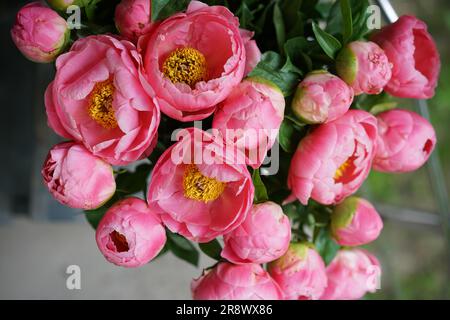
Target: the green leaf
(347, 18)
(245, 15)
(133, 182)
(289, 136)
(327, 42)
(297, 60)
(280, 30)
(94, 216)
(260, 188)
(325, 245)
(270, 68)
(182, 248)
(382, 107)
(212, 249)
(162, 9)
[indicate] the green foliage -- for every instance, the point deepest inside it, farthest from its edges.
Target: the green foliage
(260, 188)
(162, 9)
(182, 248)
(325, 245)
(327, 42)
(212, 249)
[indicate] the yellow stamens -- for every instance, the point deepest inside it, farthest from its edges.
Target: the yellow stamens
(186, 65)
(199, 187)
(100, 106)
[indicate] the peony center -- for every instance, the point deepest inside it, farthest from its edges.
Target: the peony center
(345, 170)
(186, 65)
(100, 105)
(198, 187)
(120, 241)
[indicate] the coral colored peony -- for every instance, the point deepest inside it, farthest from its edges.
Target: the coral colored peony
(193, 60)
(76, 178)
(300, 272)
(405, 141)
(355, 222)
(263, 237)
(364, 66)
(235, 282)
(97, 98)
(132, 18)
(40, 33)
(200, 198)
(351, 274)
(414, 55)
(321, 97)
(129, 234)
(332, 162)
(253, 54)
(250, 117)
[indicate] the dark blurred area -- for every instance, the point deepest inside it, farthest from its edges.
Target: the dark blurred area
(34, 250)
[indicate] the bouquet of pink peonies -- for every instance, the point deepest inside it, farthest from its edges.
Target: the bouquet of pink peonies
(250, 126)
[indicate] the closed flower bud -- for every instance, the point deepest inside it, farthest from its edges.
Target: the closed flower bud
(300, 272)
(355, 222)
(40, 33)
(129, 234)
(76, 178)
(132, 18)
(364, 66)
(263, 237)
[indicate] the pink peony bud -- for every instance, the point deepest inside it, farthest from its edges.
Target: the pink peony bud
(250, 117)
(129, 234)
(352, 274)
(227, 281)
(414, 55)
(355, 222)
(300, 272)
(364, 66)
(321, 97)
(133, 19)
(77, 178)
(40, 33)
(62, 5)
(263, 237)
(405, 141)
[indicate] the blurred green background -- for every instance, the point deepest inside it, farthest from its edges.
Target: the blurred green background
(415, 255)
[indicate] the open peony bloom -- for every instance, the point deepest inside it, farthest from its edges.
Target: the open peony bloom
(133, 19)
(332, 162)
(96, 98)
(263, 237)
(250, 117)
(40, 33)
(405, 141)
(300, 272)
(193, 60)
(76, 178)
(364, 66)
(351, 274)
(198, 189)
(414, 55)
(129, 234)
(321, 97)
(355, 222)
(227, 281)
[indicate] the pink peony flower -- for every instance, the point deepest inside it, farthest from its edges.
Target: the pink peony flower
(133, 18)
(76, 178)
(352, 274)
(40, 33)
(300, 272)
(321, 97)
(193, 60)
(414, 55)
(198, 189)
(332, 162)
(235, 282)
(364, 66)
(250, 117)
(405, 141)
(129, 234)
(97, 98)
(355, 222)
(263, 237)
